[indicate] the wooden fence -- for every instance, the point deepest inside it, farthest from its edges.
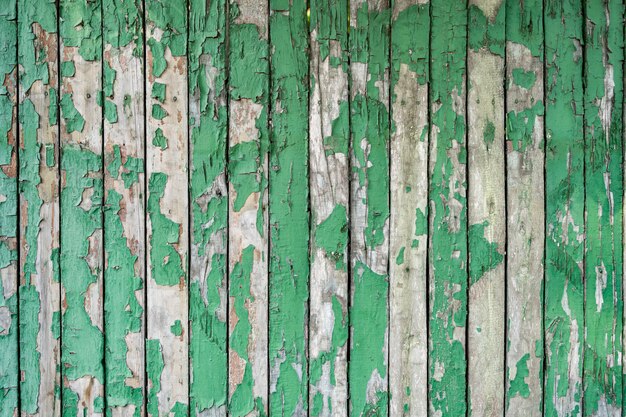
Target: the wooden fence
(359, 208)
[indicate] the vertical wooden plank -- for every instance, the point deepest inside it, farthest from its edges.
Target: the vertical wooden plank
(167, 363)
(124, 213)
(289, 209)
(525, 207)
(369, 207)
(486, 207)
(329, 135)
(39, 209)
(82, 341)
(8, 213)
(408, 342)
(564, 315)
(248, 231)
(604, 184)
(448, 277)
(209, 207)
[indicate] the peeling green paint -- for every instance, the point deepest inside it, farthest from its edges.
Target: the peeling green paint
(484, 255)
(486, 33)
(564, 314)
(34, 68)
(242, 400)
(370, 47)
(82, 342)
(74, 121)
(368, 320)
(209, 205)
(123, 313)
(167, 265)
(604, 189)
(525, 79)
(518, 385)
(288, 210)
(448, 210)
(332, 235)
(159, 139)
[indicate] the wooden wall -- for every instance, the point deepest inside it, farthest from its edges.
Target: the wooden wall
(333, 208)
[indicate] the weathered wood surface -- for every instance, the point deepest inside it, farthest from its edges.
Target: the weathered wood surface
(524, 204)
(167, 350)
(40, 301)
(565, 203)
(208, 127)
(124, 210)
(9, 202)
(81, 232)
(368, 379)
(447, 251)
(336, 208)
(408, 235)
(248, 154)
(329, 135)
(486, 207)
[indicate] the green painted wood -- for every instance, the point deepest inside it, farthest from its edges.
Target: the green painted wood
(39, 290)
(604, 188)
(9, 371)
(124, 211)
(167, 162)
(525, 157)
(369, 207)
(81, 262)
(565, 228)
(329, 135)
(448, 274)
(209, 208)
(256, 208)
(248, 156)
(486, 207)
(408, 235)
(288, 209)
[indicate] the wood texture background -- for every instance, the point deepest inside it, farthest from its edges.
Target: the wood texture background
(333, 208)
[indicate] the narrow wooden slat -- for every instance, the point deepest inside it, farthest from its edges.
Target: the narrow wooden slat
(486, 207)
(288, 209)
(209, 207)
(8, 213)
(82, 341)
(565, 233)
(167, 363)
(248, 217)
(124, 213)
(39, 209)
(369, 207)
(525, 207)
(408, 342)
(448, 275)
(604, 184)
(329, 135)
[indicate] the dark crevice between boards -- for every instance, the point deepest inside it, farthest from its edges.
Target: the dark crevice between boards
(144, 201)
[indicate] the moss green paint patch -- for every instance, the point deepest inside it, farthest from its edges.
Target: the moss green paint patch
(484, 255)
(332, 236)
(525, 79)
(167, 265)
(74, 121)
(159, 139)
